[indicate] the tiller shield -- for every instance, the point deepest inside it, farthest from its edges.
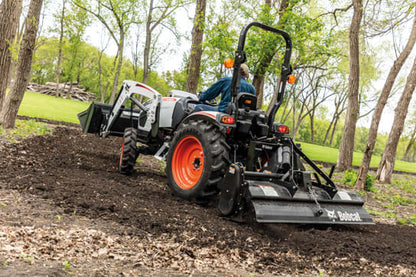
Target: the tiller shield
(274, 202)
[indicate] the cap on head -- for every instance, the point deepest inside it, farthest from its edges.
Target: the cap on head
(244, 69)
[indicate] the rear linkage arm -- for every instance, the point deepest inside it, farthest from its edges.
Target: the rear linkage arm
(329, 187)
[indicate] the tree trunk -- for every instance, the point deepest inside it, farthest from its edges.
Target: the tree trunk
(311, 118)
(68, 93)
(331, 123)
(9, 22)
(258, 83)
(61, 37)
(298, 122)
(408, 148)
(196, 49)
(331, 141)
(100, 73)
(385, 168)
(118, 70)
(14, 98)
(328, 130)
(372, 136)
(146, 54)
(346, 148)
(104, 92)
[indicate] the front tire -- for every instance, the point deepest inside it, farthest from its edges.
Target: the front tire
(129, 151)
(197, 160)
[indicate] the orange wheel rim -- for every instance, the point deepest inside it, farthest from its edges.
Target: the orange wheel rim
(188, 162)
(121, 153)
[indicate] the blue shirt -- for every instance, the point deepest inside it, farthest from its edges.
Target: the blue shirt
(223, 86)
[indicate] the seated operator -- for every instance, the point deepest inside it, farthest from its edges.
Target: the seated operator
(223, 86)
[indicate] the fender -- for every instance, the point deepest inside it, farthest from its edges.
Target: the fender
(213, 117)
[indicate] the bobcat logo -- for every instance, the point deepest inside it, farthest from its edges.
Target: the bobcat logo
(331, 214)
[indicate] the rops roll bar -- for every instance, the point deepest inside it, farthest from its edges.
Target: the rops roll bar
(240, 57)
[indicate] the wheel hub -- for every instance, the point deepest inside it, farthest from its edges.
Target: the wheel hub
(187, 162)
(196, 163)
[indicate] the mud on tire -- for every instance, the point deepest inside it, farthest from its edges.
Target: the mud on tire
(128, 153)
(197, 160)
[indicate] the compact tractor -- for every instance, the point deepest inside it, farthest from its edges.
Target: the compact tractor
(241, 155)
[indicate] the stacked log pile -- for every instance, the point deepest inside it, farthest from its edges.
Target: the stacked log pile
(76, 92)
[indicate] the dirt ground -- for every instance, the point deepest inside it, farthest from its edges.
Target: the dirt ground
(64, 209)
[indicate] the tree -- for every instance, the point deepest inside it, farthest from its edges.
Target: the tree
(117, 16)
(339, 104)
(14, 98)
(220, 40)
(76, 22)
(267, 56)
(196, 49)
(60, 45)
(410, 145)
(347, 141)
(310, 93)
(9, 20)
(388, 85)
(136, 54)
(156, 15)
(102, 90)
(386, 166)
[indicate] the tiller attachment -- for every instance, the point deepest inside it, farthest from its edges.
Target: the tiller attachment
(292, 197)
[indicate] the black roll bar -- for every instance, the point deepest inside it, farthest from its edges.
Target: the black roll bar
(240, 57)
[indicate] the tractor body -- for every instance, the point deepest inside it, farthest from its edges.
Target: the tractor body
(242, 155)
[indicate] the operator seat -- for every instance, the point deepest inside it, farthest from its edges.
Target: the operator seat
(246, 101)
(249, 118)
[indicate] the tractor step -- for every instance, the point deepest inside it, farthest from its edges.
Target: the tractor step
(162, 152)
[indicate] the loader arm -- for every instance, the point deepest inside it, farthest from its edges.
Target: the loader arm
(127, 91)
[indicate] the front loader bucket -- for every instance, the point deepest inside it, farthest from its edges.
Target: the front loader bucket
(273, 202)
(92, 118)
(96, 115)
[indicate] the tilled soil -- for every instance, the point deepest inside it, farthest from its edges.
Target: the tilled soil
(64, 209)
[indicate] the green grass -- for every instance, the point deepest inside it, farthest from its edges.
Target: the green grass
(25, 128)
(330, 155)
(50, 107)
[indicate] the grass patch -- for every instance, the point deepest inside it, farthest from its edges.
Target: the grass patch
(330, 155)
(405, 185)
(25, 128)
(385, 214)
(49, 107)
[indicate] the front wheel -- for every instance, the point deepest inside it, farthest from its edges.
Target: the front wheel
(197, 160)
(129, 152)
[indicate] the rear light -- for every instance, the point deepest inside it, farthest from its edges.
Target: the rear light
(227, 119)
(283, 129)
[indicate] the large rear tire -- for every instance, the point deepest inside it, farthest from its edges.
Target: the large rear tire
(129, 152)
(197, 160)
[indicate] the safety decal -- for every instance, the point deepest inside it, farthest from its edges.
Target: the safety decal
(269, 191)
